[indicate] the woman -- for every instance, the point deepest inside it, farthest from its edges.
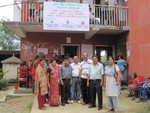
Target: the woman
(41, 84)
(54, 84)
(122, 66)
(112, 82)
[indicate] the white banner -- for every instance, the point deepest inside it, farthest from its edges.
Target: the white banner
(66, 16)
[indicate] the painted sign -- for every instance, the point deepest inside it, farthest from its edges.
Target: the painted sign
(66, 16)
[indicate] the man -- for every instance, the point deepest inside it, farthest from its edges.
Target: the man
(111, 9)
(104, 12)
(66, 81)
(95, 81)
(41, 84)
(84, 76)
(75, 80)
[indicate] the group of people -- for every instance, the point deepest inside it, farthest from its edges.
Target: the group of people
(51, 79)
(135, 90)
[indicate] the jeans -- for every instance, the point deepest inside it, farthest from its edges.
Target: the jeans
(75, 87)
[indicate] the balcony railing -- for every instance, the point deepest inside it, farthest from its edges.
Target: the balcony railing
(99, 14)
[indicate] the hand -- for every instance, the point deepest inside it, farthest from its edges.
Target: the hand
(87, 84)
(35, 93)
(79, 79)
(49, 85)
(118, 83)
(70, 82)
(104, 84)
(58, 81)
(62, 83)
(101, 83)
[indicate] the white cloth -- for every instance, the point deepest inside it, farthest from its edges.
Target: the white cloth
(87, 1)
(112, 89)
(85, 68)
(112, 2)
(75, 69)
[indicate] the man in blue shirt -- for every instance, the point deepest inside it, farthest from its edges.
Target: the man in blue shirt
(95, 81)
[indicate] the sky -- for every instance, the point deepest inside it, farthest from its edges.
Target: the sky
(6, 12)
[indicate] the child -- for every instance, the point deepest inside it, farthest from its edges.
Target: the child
(132, 86)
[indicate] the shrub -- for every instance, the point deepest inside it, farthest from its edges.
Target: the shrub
(2, 73)
(3, 84)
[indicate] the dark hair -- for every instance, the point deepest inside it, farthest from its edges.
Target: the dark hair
(95, 56)
(66, 58)
(41, 59)
(52, 60)
(43, 56)
(121, 56)
(23, 63)
(36, 57)
(110, 57)
(135, 75)
(148, 77)
(48, 69)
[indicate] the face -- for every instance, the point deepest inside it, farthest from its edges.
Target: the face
(54, 63)
(43, 62)
(95, 60)
(66, 62)
(76, 59)
(110, 61)
(85, 56)
(148, 80)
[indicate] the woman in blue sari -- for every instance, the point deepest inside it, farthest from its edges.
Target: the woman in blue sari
(123, 68)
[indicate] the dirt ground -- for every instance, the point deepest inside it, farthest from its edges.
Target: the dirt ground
(22, 104)
(17, 105)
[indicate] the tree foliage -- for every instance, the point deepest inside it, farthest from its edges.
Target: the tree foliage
(8, 40)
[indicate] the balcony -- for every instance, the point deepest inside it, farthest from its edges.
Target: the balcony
(103, 19)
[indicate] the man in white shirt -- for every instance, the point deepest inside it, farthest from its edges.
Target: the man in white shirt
(75, 80)
(85, 64)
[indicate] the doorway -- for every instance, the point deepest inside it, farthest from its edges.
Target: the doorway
(70, 50)
(103, 52)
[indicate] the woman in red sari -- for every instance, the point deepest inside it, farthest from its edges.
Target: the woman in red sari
(54, 84)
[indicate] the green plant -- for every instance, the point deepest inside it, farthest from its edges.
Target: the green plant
(3, 84)
(2, 73)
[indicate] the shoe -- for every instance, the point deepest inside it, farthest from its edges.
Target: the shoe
(71, 101)
(63, 104)
(92, 106)
(79, 101)
(133, 98)
(66, 102)
(83, 103)
(138, 100)
(100, 108)
(110, 110)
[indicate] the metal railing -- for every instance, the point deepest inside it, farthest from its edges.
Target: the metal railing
(108, 15)
(99, 14)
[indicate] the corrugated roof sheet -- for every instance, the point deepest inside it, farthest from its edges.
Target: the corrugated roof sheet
(13, 60)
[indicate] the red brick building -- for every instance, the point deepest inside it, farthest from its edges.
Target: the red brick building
(110, 36)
